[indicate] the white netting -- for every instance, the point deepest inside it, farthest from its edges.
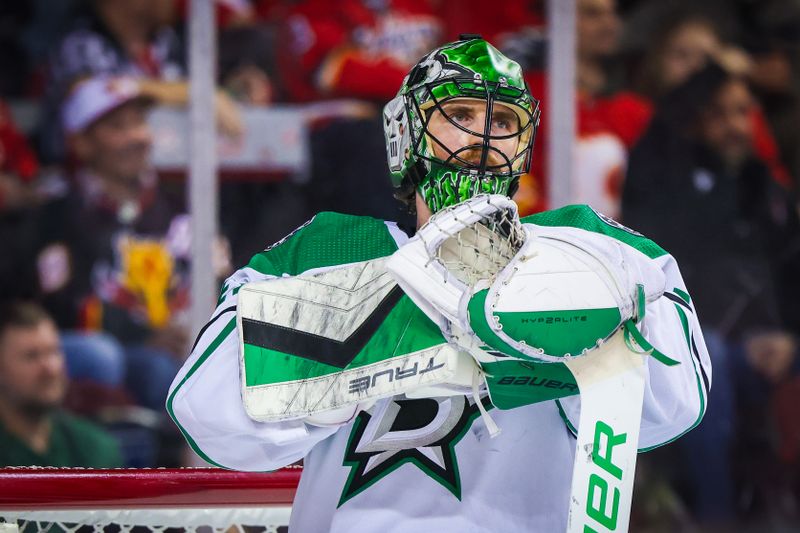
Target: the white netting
(482, 249)
(242, 520)
(203, 500)
(157, 520)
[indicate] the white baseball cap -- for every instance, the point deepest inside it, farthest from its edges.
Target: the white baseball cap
(93, 98)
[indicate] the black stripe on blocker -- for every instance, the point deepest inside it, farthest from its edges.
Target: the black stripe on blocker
(315, 347)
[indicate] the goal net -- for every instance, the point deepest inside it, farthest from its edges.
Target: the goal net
(159, 500)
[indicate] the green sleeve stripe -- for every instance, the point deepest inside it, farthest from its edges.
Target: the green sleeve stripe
(684, 325)
(229, 327)
(328, 239)
(683, 294)
(586, 218)
(565, 418)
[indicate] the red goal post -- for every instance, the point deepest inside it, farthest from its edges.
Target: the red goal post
(32, 499)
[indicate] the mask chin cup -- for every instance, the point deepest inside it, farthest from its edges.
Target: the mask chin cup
(448, 185)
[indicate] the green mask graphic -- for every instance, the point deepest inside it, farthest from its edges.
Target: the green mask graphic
(474, 70)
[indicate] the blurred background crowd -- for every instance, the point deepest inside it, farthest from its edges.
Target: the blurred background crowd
(688, 130)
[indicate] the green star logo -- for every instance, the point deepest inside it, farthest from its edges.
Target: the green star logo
(420, 432)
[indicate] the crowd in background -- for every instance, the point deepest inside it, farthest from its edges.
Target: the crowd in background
(687, 117)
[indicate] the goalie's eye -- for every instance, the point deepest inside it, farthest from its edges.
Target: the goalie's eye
(462, 116)
(504, 122)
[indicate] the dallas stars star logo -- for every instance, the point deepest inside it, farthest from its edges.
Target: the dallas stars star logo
(421, 432)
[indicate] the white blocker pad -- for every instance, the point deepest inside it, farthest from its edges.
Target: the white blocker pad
(347, 335)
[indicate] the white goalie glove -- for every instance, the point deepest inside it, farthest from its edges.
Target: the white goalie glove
(499, 290)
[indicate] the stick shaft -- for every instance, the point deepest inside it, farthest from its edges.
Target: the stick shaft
(611, 383)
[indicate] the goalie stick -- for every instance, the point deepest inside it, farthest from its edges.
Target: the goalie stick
(611, 384)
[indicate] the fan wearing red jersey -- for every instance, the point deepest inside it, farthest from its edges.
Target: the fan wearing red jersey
(355, 48)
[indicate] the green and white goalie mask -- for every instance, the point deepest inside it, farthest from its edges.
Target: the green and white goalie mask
(471, 70)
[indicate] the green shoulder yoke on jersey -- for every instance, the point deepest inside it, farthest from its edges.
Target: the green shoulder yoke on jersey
(328, 239)
(584, 217)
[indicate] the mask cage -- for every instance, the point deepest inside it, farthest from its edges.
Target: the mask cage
(432, 96)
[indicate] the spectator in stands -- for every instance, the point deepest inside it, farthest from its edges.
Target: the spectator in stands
(18, 166)
(353, 49)
(34, 431)
(776, 76)
(609, 120)
(683, 43)
(124, 38)
(246, 47)
(695, 185)
(19, 198)
(114, 256)
(516, 28)
(247, 65)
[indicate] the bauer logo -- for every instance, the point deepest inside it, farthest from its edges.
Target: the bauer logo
(602, 500)
(533, 381)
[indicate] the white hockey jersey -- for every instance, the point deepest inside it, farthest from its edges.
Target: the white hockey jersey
(428, 464)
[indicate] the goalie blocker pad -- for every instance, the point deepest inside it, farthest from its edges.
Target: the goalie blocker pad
(315, 343)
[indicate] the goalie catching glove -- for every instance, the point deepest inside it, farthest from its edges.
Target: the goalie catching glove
(503, 291)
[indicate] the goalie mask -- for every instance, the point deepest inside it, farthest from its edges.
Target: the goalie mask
(490, 159)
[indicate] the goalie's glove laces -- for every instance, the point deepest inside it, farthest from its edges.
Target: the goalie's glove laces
(491, 425)
(634, 336)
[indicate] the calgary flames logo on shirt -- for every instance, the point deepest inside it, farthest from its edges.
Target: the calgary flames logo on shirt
(147, 271)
